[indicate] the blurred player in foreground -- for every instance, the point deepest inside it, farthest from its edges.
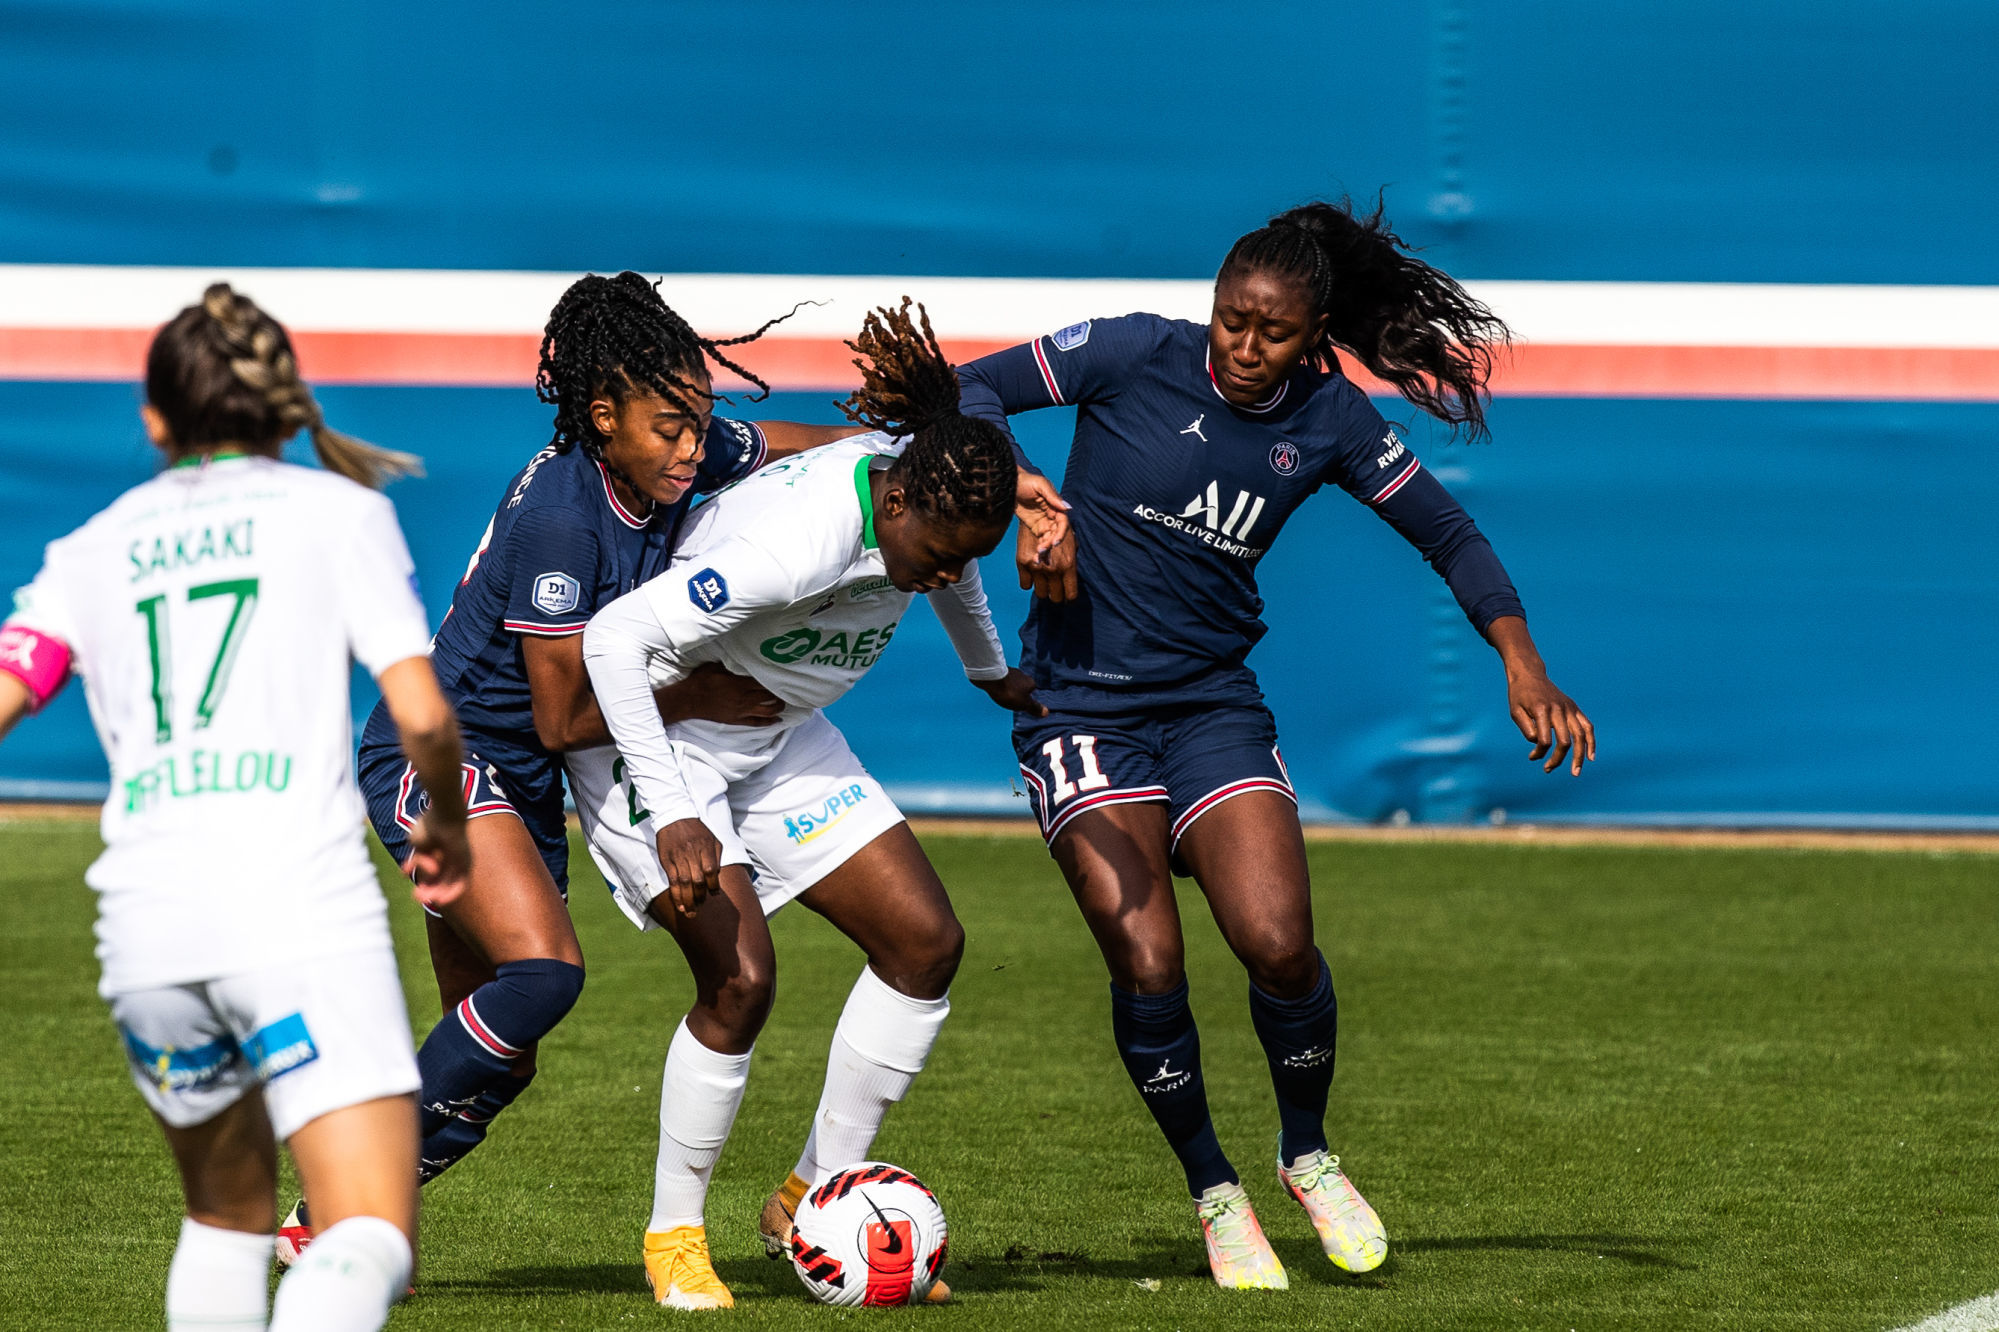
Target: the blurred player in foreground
(212, 613)
(797, 578)
(1193, 447)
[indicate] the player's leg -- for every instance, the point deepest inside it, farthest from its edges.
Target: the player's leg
(229, 1173)
(330, 1039)
(478, 1058)
(186, 1064)
(728, 949)
(515, 946)
(355, 1164)
(461, 971)
(1237, 830)
(887, 898)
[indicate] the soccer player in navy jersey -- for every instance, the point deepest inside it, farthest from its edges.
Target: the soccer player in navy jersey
(1193, 447)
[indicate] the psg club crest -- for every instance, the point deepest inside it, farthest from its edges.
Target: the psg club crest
(1284, 458)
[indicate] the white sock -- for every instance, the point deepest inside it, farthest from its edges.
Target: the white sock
(698, 1098)
(346, 1280)
(880, 1046)
(218, 1280)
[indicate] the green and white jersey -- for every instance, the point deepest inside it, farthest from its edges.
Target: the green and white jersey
(777, 578)
(212, 614)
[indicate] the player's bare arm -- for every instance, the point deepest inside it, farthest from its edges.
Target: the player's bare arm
(1548, 717)
(15, 701)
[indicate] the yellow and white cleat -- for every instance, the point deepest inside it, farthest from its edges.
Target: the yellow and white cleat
(1349, 1231)
(775, 1225)
(1239, 1256)
(680, 1272)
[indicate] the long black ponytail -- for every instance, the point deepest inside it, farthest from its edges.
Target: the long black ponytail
(1411, 325)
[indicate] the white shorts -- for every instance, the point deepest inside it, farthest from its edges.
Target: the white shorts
(794, 810)
(317, 1035)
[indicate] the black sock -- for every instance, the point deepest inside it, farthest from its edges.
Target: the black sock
(1162, 1053)
(1299, 1036)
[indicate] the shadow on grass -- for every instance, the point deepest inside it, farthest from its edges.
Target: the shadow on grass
(1624, 1248)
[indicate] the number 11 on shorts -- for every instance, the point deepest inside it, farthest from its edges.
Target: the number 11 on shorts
(1093, 777)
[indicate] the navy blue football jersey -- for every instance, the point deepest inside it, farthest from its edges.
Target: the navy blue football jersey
(559, 546)
(1176, 494)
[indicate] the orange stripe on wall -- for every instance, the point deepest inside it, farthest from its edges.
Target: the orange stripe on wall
(825, 365)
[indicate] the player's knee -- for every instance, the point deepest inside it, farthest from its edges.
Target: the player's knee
(926, 957)
(1148, 967)
(534, 995)
(1281, 965)
(741, 1002)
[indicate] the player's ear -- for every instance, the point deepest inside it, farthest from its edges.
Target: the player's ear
(604, 415)
(156, 427)
(894, 503)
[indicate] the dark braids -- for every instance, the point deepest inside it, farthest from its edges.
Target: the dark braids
(614, 336)
(957, 468)
(1408, 323)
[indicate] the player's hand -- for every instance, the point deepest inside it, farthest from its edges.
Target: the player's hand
(1551, 720)
(715, 693)
(441, 861)
(1041, 509)
(1051, 573)
(1046, 549)
(692, 859)
(1015, 692)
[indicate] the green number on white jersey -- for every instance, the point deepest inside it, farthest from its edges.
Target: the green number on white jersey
(159, 651)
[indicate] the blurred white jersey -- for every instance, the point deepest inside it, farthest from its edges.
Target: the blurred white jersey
(212, 613)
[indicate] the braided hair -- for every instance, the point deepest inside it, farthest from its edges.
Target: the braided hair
(1410, 324)
(614, 336)
(222, 372)
(956, 468)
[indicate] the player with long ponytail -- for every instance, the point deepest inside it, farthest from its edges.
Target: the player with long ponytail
(1193, 446)
(214, 613)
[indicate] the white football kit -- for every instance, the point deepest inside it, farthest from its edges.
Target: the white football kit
(212, 613)
(777, 578)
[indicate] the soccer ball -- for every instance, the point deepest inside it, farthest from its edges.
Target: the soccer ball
(870, 1235)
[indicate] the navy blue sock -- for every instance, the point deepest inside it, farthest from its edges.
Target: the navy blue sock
(1162, 1053)
(474, 1046)
(1299, 1036)
(467, 1129)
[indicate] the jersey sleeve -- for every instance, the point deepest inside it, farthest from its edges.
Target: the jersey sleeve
(1087, 362)
(1374, 466)
(732, 450)
(38, 642)
(41, 606)
(376, 587)
(552, 556)
(968, 622)
(663, 621)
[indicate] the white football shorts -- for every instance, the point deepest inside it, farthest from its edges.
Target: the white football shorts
(793, 809)
(317, 1035)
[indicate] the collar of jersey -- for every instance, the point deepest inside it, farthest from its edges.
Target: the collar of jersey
(866, 493)
(203, 459)
(1268, 404)
(623, 513)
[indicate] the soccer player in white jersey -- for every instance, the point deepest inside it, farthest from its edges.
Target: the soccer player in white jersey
(796, 577)
(212, 613)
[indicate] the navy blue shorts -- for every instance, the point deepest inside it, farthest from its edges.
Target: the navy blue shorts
(396, 798)
(1189, 759)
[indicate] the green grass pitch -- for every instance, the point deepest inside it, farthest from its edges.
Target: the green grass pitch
(1586, 1088)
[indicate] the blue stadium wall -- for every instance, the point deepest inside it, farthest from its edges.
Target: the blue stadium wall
(1776, 611)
